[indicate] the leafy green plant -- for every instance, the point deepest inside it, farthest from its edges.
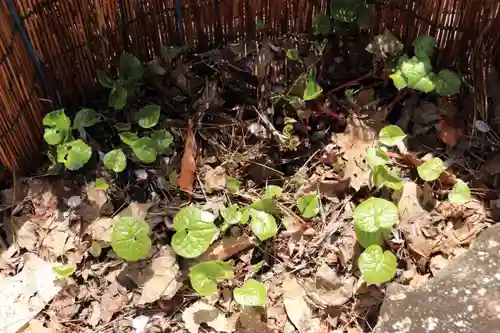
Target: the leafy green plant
(130, 73)
(204, 276)
(195, 231)
(101, 184)
(416, 72)
(86, 118)
(232, 184)
(373, 218)
(162, 139)
(289, 140)
(377, 266)
(391, 135)
(251, 293)
(383, 176)
(313, 90)
(460, 194)
(149, 116)
(115, 160)
(130, 238)
(57, 127)
(74, 154)
(431, 169)
(272, 191)
(145, 149)
(63, 270)
(343, 12)
(376, 157)
(308, 205)
(263, 224)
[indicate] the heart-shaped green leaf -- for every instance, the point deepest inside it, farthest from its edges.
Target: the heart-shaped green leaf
(163, 140)
(130, 238)
(292, 54)
(105, 80)
(460, 194)
(231, 214)
(375, 157)
(308, 205)
(272, 191)
(426, 84)
(195, 231)
(149, 116)
(64, 270)
(245, 215)
(115, 160)
(263, 224)
(377, 266)
(204, 276)
(122, 127)
(391, 135)
(145, 149)
(312, 91)
(448, 83)
(398, 80)
(232, 184)
(383, 176)
(321, 24)
(265, 205)
(74, 154)
(118, 97)
(431, 169)
(101, 184)
(424, 46)
(128, 138)
(375, 213)
(130, 69)
(57, 119)
(86, 118)
(251, 293)
(53, 136)
(414, 69)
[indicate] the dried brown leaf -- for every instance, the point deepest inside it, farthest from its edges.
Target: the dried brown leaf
(188, 163)
(203, 313)
(297, 309)
(227, 247)
(215, 179)
(450, 130)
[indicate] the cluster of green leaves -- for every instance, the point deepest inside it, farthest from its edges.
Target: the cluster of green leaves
(345, 12)
(416, 72)
(58, 132)
(129, 75)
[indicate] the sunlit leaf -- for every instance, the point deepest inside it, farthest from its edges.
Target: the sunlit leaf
(74, 154)
(130, 238)
(398, 80)
(414, 69)
(130, 68)
(263, 224)
(272, 191)
(426, 84)
(292, 54)
(118, 97)
(231, 214)
(101, 184)
(53, 136)
(375, 157)
(145, 149)
(204, 276)
(448, 83)
(163, 140)
(312, 91)
(377, 266)
(308, 205)
(149, 116)
(86, 118)
(321, 24)
(195, 231)
(115, 160)
(128, 138)
(64, 270)
(391, 135)
(460, 194)
(424, 46)
(383, 176)
(251, 293)
(232, 184)
(57, 119)
(375, 213)
(431, 169)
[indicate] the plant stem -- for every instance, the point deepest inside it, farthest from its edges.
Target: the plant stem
(347, 84)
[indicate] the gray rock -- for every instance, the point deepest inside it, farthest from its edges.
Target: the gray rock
(463, 298)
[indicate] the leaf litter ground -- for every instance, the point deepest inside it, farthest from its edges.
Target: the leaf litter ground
(243, 136)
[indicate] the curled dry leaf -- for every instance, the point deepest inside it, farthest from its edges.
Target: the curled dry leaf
(450, 130)
(227, 247)
(297, 309)
(215, 179)
(188, 163)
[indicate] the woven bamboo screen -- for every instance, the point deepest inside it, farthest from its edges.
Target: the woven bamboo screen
(50, 50)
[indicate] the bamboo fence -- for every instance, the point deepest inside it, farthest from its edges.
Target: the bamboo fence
(50, 50)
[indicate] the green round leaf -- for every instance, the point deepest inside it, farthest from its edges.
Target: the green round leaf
(130, 238)
(204, 276)
(130, 68)
(101, 184)
(145, 149)
(86, 118)
(118, 97)
(64, 270)
(377, 266)
(128, 138)
(308, 205)
(321, 24)
(163, 140)
(391, 135)
(232, 184)
(57, 119)
(245, 215)
(263, 224)
(375, 157)
(53, 136)
(122, 127)
(431, 169)
(426, 84)
(266, 205)
(74, 154)
(366, 239)
(115, 160)
(273, 191)
(398, 80)
(251, 293)
(383, 176)
(312, 90)
(460, 194)
(414, 69)
(149, 116)
(195, 231)
(105, 80)
(448, 83)
(375, 213)
(231, 214)
(424, 46)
